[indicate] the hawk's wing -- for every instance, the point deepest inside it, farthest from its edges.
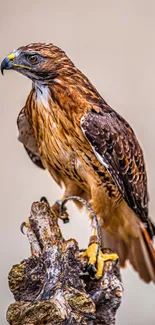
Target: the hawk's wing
(116, 147)
(26, 136)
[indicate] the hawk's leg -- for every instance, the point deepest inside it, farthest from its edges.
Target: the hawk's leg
(72, 189)
(96, 258)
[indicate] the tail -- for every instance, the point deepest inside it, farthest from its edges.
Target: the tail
(142, 255)
(139, 251)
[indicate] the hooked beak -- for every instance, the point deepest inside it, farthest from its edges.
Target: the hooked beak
(7, 63)
(10, 63)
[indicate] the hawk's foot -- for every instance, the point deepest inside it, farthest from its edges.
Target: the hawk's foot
(96, 259)
(63, 214)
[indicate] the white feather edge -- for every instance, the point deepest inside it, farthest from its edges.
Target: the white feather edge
(98, 156)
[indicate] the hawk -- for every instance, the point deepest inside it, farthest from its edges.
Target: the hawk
(67, 128)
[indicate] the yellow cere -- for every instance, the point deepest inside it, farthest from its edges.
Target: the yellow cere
(11, 57)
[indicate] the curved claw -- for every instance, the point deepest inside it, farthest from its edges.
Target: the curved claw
(43, 199)
(22, 226)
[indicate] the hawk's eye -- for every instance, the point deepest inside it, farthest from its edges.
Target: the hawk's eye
(32, 58)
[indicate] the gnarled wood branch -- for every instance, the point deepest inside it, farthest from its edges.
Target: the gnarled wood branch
(51, 287)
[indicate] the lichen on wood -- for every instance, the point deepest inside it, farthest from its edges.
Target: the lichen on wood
(51, 286)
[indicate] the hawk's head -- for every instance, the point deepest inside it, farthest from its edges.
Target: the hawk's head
(38, 61)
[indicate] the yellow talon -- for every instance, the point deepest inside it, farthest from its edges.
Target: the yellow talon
(91, 254)
(103, 257)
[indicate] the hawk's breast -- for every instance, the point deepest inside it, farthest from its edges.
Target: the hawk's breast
(62, 144)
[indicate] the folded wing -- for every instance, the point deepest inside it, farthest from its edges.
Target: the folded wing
(27, 138)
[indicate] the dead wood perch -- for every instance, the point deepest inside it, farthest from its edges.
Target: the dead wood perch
(51, 287)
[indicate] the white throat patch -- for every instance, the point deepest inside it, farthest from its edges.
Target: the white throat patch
(42, 95)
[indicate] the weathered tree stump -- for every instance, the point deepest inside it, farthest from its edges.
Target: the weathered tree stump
(51, 287)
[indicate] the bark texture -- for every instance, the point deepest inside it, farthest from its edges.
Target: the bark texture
(51, 286)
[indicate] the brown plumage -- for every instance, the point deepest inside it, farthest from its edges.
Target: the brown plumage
(68, 128)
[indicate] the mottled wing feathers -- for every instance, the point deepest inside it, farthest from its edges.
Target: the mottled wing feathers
(27, 138)
(115, 145)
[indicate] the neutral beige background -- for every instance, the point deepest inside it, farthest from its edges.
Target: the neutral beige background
(113, 43)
